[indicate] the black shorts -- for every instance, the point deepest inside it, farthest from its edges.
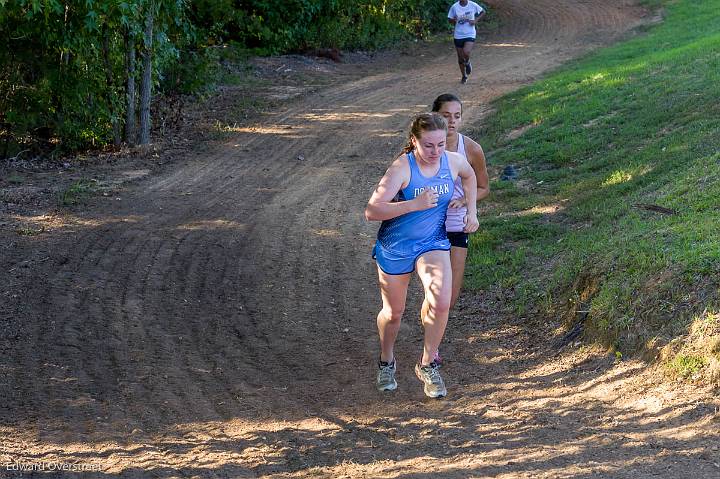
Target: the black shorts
(458, 239)
(460, 42)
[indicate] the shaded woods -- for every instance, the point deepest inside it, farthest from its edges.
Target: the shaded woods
(82, 74)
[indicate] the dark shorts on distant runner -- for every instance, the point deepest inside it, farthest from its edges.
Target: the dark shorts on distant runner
(458, 239)
(460, 42)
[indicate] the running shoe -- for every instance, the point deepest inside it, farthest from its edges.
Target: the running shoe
(434, 386)
(463, 80)
(468, 68)
(386, 376)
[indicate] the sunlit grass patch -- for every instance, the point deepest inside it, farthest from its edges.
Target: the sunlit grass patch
(687, 366)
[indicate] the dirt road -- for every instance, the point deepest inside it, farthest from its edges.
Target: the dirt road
(219, 320)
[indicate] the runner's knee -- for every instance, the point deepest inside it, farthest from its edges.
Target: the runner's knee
(393, 315)
(438, 305)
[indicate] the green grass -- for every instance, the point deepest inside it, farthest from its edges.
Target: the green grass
(687, 366)
(79, 191)
(236, 69)
(633, 125)
(29, 231)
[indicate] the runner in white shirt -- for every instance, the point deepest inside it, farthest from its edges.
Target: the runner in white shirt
(464, 14)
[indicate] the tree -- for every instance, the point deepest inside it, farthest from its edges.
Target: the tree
(130, 129)
(146, 85)
(165, 27)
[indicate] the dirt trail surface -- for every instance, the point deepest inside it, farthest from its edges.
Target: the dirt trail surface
(219, 320)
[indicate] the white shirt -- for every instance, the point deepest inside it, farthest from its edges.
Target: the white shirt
(462, 14)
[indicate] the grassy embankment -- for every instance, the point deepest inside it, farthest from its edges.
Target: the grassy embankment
(617, 207)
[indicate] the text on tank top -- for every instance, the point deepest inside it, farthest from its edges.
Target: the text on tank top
(415, 231)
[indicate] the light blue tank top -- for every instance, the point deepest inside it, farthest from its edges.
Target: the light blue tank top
(419, 231)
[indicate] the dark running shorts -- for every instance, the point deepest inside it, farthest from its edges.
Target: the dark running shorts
(458, 239)
(460, 42)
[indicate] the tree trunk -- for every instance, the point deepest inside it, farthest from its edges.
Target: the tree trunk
(110, 87)
(130, 127)
(146, 87)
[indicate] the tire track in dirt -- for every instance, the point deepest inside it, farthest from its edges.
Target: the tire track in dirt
(227, 326)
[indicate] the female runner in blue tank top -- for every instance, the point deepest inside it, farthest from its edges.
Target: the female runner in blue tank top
(411, 200)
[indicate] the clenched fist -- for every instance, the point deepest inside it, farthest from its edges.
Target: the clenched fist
(426, 200)
(471, 224)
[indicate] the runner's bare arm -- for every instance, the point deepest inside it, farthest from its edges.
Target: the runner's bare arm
(469, 185)
(476, 155)
(381, 205)
(461, 201)
(478, 17)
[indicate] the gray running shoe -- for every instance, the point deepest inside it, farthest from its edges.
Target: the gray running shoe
(386, 376)
(468, 68)
(430, 376)
(463, 80)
